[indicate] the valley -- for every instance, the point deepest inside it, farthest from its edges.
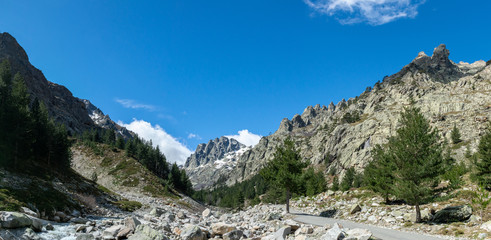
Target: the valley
(79, 175)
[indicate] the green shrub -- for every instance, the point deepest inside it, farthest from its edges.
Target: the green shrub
(129, 206)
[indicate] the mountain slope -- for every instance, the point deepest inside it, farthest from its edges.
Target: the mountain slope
(77, 114)
(341, 136)
(206, 164)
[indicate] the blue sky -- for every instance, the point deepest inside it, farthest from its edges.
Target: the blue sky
(203, 69)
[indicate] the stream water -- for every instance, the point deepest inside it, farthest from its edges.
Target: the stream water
(62, 231)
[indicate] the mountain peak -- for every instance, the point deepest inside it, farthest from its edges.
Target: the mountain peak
(11, 49)
(438, 67)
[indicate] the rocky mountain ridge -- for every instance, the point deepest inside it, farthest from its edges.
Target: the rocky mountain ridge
(77, 114)
(339, 136)
(219, 154)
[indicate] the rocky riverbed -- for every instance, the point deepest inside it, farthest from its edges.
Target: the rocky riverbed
(185, 219)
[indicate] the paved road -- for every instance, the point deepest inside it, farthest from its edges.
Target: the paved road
(378, 232)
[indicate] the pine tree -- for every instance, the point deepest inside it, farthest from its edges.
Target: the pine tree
(378, 174)
(348, 178)
(285, 169)
(483, 165)
(417, 155)
(455, 135)
(335, 183)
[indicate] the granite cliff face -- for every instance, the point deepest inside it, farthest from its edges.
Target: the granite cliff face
(341, 136)
(206, 165)
(77, 114)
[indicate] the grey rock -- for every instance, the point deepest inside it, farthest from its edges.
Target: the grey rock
(49, 227)
(156, 212)
(78, 220)
(29, 234)
(131, 223)
(221, 228)
(453, 214)
(111, 232)
(358, 234)
(335, 233)
(206, 213)
(486, 226)
(123, 233)
(29, 212)
(85, 236)
(192, 232)
(144, 232)
(282, 232)
(354, 209)
(14, 220)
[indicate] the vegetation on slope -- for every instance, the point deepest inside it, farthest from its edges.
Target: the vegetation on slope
(137, 152)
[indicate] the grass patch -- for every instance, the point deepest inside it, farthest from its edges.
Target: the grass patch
(43, 196)
(131, 182)
(107, 161)
(154, 191)
(7, 202)
(408, 224)
(104, 189)
(129, 206)
(459, 145)
(458, 232)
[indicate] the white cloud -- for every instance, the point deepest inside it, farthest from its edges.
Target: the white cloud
(192, 135)
(374, 12)
(129, 103)
(247, 138)
(173, 150)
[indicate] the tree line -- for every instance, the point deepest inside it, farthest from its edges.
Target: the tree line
(29, 138)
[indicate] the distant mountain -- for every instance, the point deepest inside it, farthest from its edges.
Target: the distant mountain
(77, 114)
(339, 136)
(205, 165)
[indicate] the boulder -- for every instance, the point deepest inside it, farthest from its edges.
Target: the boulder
(192, 232)
(453, 214)
(486, 226)
(78, 220)
(85, 236)
(354, 209)
(144, 232)
(13, 220)
(156, 212)
(274, 216)
(123, 233)
(233, 235)
(181, 215)
(334, 233)
(61, 215)
(293, 225)
(206, 213)
(304, 230)
(131, 223)
(29, 212)
(49, 227)
(80, 228)
(282, 232)
(372, 219)
(37, 224)
(221, 228)
(112, 232)
(358, 234)
(30, 235)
